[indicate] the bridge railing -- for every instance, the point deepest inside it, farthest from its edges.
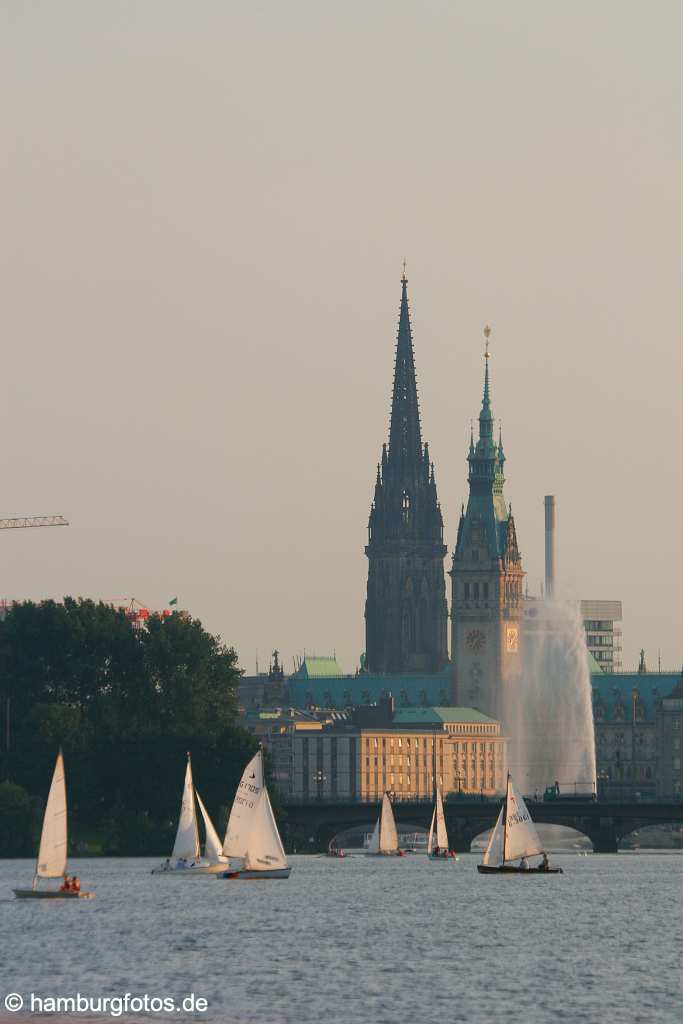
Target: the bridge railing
(396, 798)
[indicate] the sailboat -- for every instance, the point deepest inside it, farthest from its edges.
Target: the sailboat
(52, 852)
(186, 858)
(252, 841)
(514, 837)
(437, 842)
(384, 839)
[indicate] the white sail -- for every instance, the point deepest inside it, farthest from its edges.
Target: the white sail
(213, 848)
(441, 833)
(521, 837)
(493, 854)
(243, 806)
(187, 837)
(431, 831)
(388, 836)
(373, 845)
(52, 852)
(264, 846)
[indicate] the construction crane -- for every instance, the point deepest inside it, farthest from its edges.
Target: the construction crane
(26, 522)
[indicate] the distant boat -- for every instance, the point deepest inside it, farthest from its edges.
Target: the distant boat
(252, 842)
(384, 839)
(186, 858)
(437, 842)
(514, 837)
(52, 853)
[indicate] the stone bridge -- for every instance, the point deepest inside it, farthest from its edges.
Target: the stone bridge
(605, 824)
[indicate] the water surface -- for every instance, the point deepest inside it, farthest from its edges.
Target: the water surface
(364, 939)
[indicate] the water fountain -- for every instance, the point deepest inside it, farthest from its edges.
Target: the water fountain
(549, 715)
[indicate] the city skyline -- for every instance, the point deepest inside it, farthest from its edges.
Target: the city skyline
(202, 274)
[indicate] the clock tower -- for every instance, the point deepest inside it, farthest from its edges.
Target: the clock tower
(487, 575)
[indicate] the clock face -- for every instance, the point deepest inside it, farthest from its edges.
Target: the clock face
(475, 640)
(512, 638)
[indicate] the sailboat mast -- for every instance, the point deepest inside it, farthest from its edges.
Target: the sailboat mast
(505, 818)
(197, 844)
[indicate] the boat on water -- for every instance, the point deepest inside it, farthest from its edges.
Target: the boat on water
(438, 848)
(335, 851)
(384, 839)
(52, 852)
(514, 838)
(186, 859)
(252, 842)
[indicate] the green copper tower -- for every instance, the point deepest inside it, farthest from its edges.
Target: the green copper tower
(487, 575)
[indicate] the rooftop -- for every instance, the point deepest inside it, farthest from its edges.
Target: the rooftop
(314, 667)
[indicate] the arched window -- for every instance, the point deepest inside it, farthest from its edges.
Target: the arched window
(405, 507)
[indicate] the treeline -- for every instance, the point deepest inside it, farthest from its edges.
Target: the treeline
(125, 704)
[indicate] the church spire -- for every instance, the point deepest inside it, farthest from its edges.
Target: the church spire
(404, 433)
(405, 612)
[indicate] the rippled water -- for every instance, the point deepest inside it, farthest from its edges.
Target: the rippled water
(364, 939)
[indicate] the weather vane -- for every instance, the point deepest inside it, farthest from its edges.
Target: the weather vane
(404, 269)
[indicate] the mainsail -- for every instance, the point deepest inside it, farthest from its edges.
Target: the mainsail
(437, 829)
(388, 837)
(186, 844)
(213, 847)
(244, 804)
(264, 846)
(521, 837)
(493, 854)
(52, 852)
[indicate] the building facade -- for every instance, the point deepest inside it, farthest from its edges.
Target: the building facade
(407, 752)
(630, 734)
(669, 729)
(406, 614)
(603, 635)
(487, 576)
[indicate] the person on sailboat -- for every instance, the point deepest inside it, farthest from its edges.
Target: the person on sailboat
(66, 884)
(524, 864)
(544, 865)
(75, 884)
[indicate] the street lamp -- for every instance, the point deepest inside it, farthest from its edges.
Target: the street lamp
(320, 777)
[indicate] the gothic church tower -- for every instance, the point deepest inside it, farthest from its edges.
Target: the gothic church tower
(405, 611)
(487, 575)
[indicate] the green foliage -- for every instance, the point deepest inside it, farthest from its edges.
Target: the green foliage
(125, 704)
(19, 816)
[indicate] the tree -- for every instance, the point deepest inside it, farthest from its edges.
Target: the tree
(125, 704)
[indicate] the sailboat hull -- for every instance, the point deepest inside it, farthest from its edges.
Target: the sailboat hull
(201, 869)
(247, 875)
(486, 869)
(443, 860)
(51, 894)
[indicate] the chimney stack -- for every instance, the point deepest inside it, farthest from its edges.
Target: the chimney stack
(549, 502)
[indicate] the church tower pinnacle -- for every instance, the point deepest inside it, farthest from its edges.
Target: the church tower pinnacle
(405, 609)
(487, 576)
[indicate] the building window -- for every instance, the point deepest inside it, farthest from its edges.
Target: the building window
(475, 588)
(467, 591)
(405, 507)
(485, 589)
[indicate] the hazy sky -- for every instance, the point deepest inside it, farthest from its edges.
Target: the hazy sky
(205, 207)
